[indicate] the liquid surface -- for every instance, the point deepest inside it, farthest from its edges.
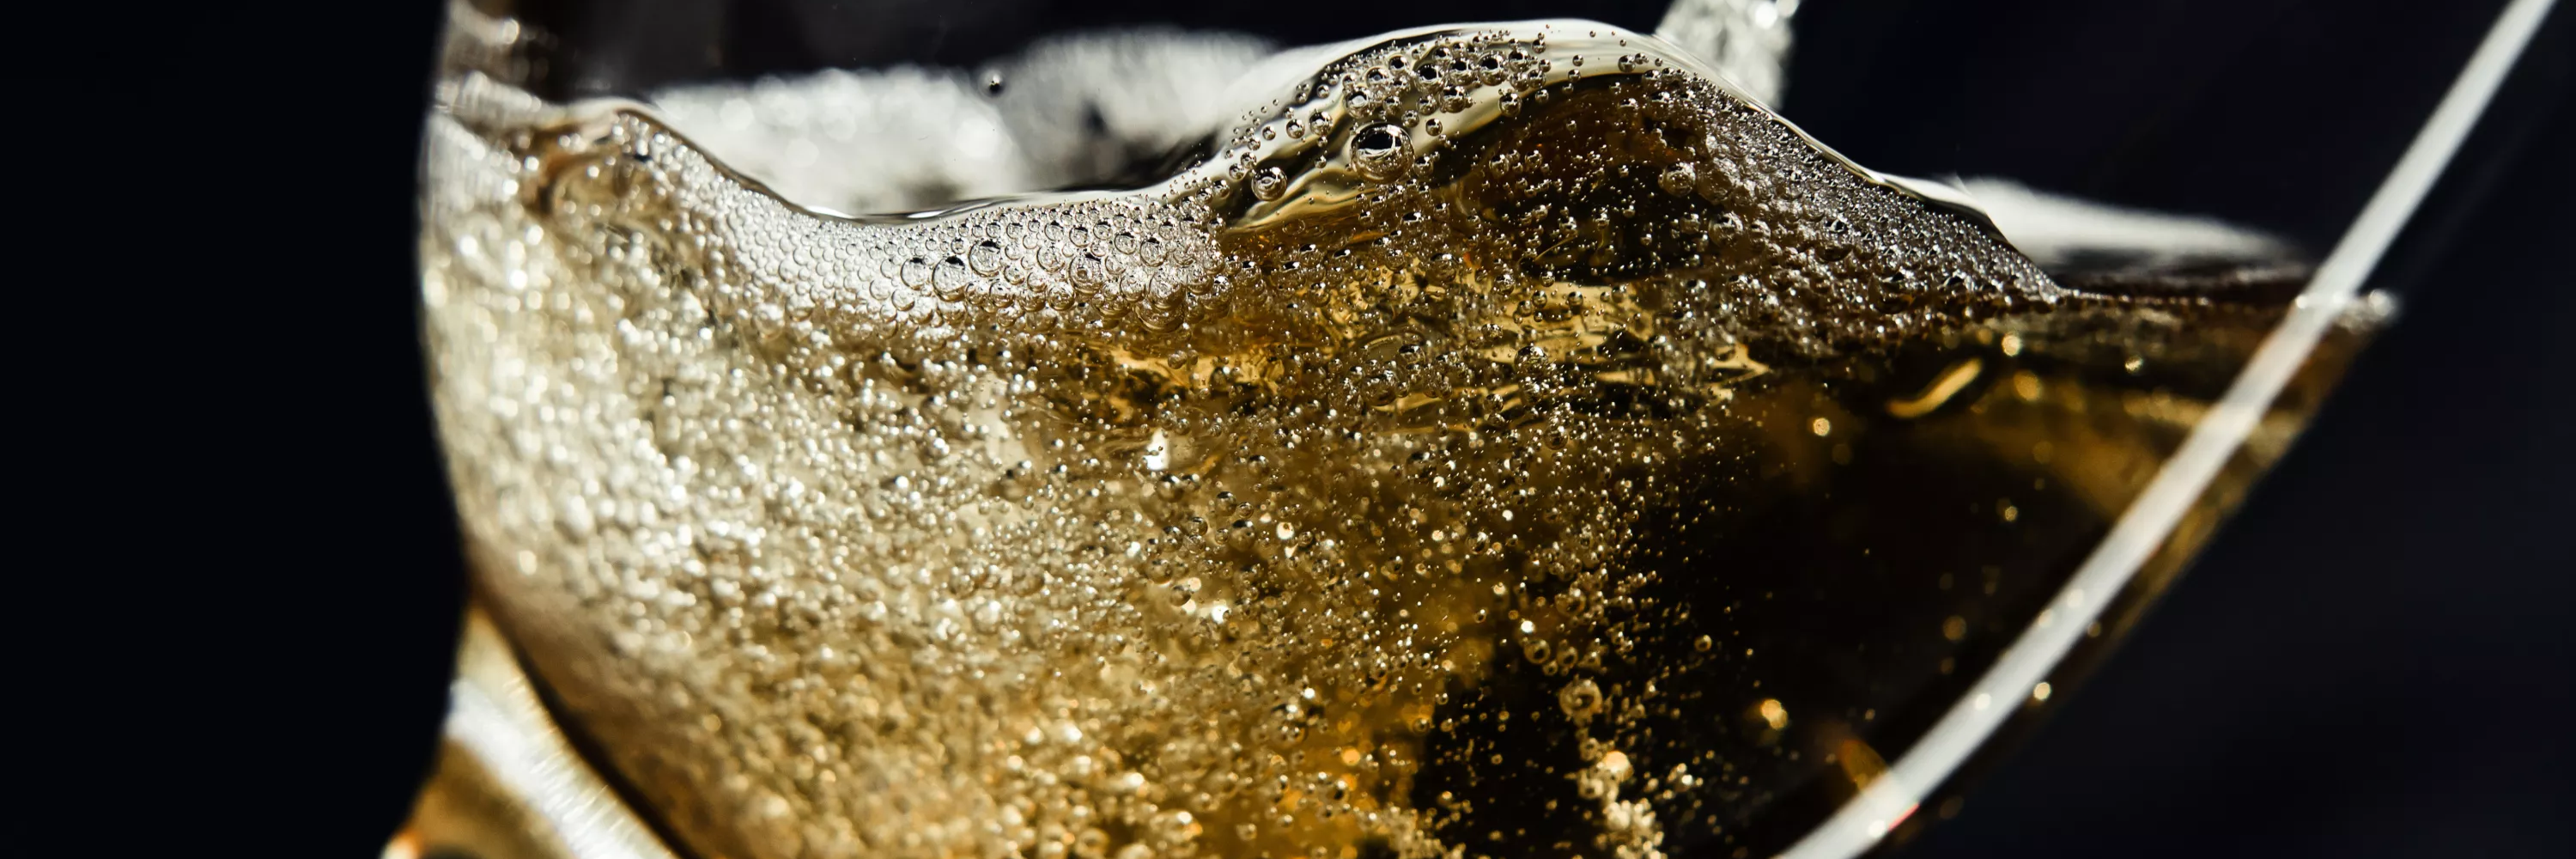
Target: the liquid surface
(1504, 441)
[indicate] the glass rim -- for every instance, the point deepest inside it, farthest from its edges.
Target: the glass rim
(1860, 823)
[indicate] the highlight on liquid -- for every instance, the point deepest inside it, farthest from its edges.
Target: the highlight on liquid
(1498, 440)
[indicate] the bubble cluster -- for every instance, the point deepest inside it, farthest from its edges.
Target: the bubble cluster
(1245, 514)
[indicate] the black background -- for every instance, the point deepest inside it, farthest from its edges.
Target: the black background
(2372, 659)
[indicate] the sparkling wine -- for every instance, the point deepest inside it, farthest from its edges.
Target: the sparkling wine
(1495, 441)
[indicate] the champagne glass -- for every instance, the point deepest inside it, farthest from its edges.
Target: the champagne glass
(1464, 439)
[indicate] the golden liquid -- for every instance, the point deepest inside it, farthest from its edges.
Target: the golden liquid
(1507, 444)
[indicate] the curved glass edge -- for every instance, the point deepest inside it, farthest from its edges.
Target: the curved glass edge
(2146, 531)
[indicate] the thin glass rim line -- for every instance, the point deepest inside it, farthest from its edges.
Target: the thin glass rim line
(1887, 800)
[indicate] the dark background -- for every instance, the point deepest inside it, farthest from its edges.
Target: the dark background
(2372, 659)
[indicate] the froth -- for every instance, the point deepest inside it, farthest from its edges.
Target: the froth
(1181, 521)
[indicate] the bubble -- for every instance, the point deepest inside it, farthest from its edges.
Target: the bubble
(1379, 151)
(1269, 183)
(1580, 700)
(985, 257)
(1088, 270)
(951, 280)
(1679, 179)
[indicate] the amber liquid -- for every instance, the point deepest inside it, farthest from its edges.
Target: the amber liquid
(1508, 443)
